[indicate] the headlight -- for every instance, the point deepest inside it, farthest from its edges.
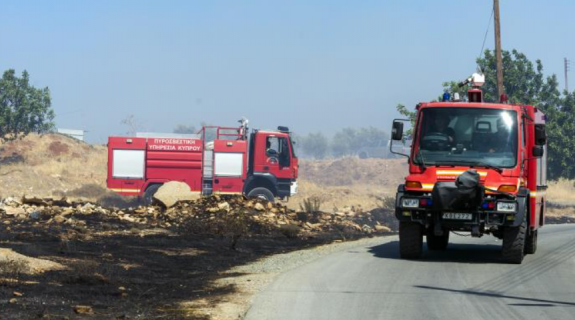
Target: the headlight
(506, 206)
(410, 203)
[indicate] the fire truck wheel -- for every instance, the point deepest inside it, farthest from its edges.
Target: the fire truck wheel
(437, 243)
(261, 193)
(513, 250)
(149, 194)
(410, 240)
(531, 242)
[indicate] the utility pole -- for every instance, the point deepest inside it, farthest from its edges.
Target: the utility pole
(567, 68)
(500, 88)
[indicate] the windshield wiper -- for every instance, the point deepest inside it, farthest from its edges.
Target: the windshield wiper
(420, 156)
(470, 164)
(487, 166)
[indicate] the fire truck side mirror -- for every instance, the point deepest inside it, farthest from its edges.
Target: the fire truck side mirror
(538, 151)
(397, 131)
(540, 135)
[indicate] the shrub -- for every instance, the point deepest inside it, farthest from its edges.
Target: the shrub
(311, 205)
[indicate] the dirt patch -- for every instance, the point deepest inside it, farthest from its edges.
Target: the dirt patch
(58, 148)
(88, 191)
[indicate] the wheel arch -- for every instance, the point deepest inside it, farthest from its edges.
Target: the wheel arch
(150, 183)
(267, 181)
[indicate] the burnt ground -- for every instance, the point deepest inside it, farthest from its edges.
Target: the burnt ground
(125, 270)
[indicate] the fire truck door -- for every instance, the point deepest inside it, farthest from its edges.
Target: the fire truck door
(277, 156)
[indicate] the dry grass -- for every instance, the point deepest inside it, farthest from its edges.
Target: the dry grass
(349, 182)
(353, 171)
(561, 212)
(561, 199)
(50, 165)
(337, 197)
(311, 205)
(561, 191)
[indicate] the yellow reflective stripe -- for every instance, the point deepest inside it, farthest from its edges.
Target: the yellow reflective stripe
(125, 190)
(427, 186)
(457, 172)
(534, 194)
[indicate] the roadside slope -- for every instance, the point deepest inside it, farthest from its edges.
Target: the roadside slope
(50, 165)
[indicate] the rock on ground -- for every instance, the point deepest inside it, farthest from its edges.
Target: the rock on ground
(29, 264)
(170, 193)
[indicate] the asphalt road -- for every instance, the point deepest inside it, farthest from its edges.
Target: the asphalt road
(465, 282)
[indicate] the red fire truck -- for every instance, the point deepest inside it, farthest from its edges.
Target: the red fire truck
(473, 167)
(257, 164)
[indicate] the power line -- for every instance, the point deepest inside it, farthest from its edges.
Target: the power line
(486, 32)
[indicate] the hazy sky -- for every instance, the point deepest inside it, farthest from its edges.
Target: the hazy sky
(310, 65)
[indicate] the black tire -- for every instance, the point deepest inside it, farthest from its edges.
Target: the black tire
(410, 240)
(149, 194)
(261, 193)
(531, 242)
(513, 250)
(437, 243)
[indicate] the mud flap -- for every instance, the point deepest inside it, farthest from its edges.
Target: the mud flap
(522, 202)
(398, 196)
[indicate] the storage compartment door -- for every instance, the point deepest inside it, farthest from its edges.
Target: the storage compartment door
(228, 173)
(228, 164)
(128, 164)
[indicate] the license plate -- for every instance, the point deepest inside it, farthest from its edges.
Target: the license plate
(457, 216)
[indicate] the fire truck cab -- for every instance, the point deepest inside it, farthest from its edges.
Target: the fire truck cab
(473, 167)
(260, 163)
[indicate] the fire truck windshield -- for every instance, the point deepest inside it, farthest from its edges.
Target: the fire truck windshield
(467, 137)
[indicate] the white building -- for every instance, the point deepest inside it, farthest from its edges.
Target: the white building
(76, 134)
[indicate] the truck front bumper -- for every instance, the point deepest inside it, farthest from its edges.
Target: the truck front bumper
(423, 212)
(473, 218)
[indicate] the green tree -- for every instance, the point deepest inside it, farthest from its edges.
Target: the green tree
(348, 141)
(411, 115)
(343, 142)
(561, 136)
(314, 145)
(523, 80)
(370, 137)
(23, 108)
(525, 83)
